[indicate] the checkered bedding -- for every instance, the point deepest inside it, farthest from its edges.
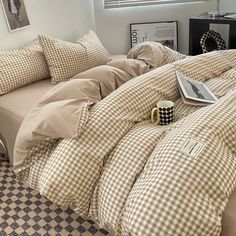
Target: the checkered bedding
(130, 175)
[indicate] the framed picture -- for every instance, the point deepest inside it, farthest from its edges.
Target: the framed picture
(165, 33)
(15, 14)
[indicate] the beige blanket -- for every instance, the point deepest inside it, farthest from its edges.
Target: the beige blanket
(130, 175)
(68, 103)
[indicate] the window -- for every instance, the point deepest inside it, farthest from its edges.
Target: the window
(130, 3)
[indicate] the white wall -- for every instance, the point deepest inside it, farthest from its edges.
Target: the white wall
(228, 5)
(64, 19)
(69, 19)
(113, 24)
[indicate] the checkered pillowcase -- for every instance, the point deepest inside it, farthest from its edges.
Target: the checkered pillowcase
(21, 67)
(66, 59)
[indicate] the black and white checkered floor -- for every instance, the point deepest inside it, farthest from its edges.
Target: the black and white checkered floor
(24, 212)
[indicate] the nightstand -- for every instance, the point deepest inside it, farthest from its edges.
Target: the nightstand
(198, 25)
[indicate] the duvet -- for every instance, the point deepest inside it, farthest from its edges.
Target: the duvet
(132, 176)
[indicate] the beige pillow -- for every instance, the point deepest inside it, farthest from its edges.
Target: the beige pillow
(66, 59)
(21, 67)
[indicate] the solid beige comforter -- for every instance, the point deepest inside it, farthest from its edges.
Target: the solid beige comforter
(130, 175)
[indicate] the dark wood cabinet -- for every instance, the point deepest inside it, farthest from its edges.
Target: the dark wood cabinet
(198, 25)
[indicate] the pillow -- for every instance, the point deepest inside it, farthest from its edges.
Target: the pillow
(21, 67)
(66, 59)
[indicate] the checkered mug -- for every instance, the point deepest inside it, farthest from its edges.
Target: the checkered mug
(163, 113)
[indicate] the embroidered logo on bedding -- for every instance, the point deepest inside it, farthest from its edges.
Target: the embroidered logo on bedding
(192, 147)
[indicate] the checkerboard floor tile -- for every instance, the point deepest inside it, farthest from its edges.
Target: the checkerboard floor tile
(24, 212)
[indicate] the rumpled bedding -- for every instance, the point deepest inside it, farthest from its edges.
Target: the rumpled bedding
(130, 175)
(67, 104)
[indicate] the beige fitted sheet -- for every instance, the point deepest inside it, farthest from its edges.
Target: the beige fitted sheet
(13, 108)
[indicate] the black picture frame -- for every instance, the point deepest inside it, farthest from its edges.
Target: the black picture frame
(164, 32)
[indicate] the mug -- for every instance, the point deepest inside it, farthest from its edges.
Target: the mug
(163, 114)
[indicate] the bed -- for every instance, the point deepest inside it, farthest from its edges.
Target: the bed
(114, 166)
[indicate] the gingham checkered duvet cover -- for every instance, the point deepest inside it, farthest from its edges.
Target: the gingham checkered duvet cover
(129, 175)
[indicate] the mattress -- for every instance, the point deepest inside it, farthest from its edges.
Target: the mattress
(13, 108)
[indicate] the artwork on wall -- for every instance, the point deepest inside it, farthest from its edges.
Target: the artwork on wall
(15, 13)
(165, 33)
